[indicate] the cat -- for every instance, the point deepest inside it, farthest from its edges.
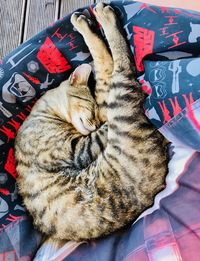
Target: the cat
(87, 167)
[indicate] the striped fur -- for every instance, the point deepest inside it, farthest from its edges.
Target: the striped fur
(80, 187)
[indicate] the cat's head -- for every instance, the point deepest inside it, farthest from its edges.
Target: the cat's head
(83, 109)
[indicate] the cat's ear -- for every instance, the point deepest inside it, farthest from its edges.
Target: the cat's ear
(81, 74)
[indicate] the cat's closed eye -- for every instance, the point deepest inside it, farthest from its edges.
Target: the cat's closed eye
(84, 114)
(84, 120)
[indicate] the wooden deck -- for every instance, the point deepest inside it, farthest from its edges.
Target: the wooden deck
(21, 19)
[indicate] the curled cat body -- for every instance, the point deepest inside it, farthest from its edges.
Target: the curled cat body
(87, 166)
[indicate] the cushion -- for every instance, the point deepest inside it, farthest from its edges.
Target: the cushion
(165, 44)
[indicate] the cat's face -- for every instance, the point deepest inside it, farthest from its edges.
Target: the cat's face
(83, 108)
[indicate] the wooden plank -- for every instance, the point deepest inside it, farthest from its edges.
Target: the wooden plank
(104, 1)
(11, 21)
(68, 6)
(39, 15)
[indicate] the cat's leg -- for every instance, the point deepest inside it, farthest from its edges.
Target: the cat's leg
(84, 150)
(106, 17)
(102, 61)
(134, 146)
(124, 83)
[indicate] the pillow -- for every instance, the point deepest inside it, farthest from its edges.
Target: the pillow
(45, 60)
(173, 102)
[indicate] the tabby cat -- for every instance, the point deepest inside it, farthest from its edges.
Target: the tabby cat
(78, 180)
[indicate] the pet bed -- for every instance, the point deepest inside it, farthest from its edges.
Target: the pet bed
(165, 43)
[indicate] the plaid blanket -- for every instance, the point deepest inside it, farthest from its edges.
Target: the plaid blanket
(165, 43)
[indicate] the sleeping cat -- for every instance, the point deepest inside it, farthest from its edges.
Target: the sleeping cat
(78, 180)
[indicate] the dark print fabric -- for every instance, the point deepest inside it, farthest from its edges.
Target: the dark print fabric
(165, 43)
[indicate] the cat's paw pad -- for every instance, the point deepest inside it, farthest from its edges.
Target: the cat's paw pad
(105, 14)
(80, 22)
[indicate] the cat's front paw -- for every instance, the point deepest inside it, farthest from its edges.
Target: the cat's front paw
(80, 22)
(105, 15)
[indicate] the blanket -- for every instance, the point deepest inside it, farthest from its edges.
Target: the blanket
(165, 43)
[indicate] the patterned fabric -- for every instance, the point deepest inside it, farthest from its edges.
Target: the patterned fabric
(175, 86)
(18, 240)
(165, 44)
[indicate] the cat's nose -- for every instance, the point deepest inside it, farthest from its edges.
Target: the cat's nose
(92, 127)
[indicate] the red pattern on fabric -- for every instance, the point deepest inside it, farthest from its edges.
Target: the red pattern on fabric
(165, 111)
(21, 116)
(9, 133)
(31, 78)
(146, 89)
(11, 255)
(5, 192)
(175, 39)
(175, 106)
(14, 124)
(51, 58)
(10, 165)
(164, 9)
(59, 35)
(12, 218)
(189, 101)
(143, 41)
(146, 6)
